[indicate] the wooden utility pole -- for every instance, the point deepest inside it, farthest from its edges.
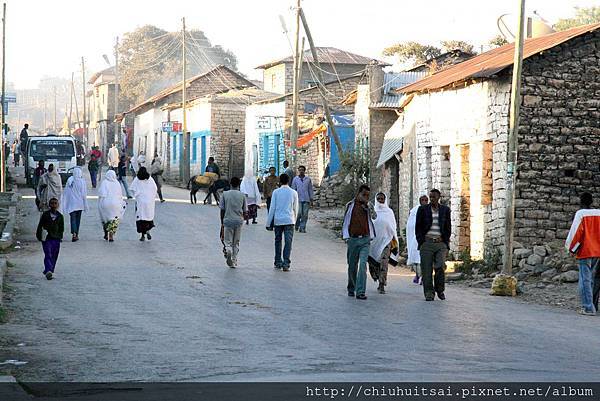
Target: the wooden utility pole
(321, 84)
(296, 90)
(515, 105)
(85, 135)
(185, 162)
(117, 126)
(70, 117)
(4, 133)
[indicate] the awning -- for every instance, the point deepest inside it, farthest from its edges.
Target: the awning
(394, 141)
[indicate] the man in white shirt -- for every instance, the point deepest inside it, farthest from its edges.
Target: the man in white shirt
(282, 218)
(113, 157)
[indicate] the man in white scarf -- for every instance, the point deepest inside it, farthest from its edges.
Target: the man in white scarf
(49, 186)
(249, 187)
(74, 200)
(414, 256)
(381, 246)
(111, 205)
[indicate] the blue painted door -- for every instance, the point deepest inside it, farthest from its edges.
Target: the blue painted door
(203, 152)
(346, 134)
(271, 151)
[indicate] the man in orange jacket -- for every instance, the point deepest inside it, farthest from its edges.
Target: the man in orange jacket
(584, 241)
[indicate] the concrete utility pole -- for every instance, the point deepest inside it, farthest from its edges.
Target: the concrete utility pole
(321, 84)
(296, 90)
(117, 128)
(70, 117)
(45, 112)
(515, 105)
(75, 99)
(185, 162)
(85, 135)
(4, 133)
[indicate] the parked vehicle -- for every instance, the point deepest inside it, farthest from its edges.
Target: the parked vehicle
(58, 150)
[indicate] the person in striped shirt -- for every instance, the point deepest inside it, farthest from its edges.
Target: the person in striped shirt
(584, 242)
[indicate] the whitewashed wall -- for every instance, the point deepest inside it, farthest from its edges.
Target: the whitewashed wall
(253, 114)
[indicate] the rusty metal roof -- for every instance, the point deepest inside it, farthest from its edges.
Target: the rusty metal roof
(326, 55)
(492, 62)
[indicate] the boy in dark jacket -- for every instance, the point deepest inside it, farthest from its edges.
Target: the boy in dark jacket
(53, 222)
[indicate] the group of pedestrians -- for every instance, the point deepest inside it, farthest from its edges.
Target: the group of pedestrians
(53, 201)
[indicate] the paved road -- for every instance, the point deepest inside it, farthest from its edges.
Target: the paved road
(170, 309)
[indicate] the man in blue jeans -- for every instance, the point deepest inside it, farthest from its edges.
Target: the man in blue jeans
(358, 231)
(303, 185)
(282, 217)
(584, 242)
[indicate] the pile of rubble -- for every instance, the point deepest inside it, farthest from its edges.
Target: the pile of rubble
(331, 192)
(550, 262)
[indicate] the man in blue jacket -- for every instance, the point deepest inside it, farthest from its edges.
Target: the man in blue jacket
(433, 229)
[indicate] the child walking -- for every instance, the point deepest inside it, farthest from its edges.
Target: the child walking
(53, 222)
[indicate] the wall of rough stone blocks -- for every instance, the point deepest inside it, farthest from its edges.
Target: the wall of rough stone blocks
(559, 134)
(228, 125)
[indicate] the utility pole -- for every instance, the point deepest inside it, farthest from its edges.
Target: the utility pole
(321, 84)
(185, 171)
(4, 133)
(55, 130)
(75, 99)
(515, 105)
(117, 127)
(70, 105)
(296, 90)
(85, 135)
(45, 112)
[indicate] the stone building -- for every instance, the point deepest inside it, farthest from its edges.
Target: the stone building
(335, 64)
(157, 129)
(453, 131)
(101, 109)
(268, 123)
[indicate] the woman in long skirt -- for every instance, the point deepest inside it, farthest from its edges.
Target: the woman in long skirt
(381, 247)
(249, 187)
(74, 200)
(144, 190)
(49, 187)
(111, 205)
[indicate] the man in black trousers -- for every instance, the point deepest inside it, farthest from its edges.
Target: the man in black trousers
(433, 228)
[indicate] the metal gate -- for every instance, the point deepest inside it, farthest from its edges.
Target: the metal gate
(346, 134)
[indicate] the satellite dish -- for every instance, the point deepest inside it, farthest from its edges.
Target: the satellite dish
(503, 28)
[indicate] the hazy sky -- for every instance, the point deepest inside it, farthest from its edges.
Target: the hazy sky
(49, 37)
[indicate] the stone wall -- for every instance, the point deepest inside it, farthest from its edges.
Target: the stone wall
(228, 125)
(559, 134)
(311, 156)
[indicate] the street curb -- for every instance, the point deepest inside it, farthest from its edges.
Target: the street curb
(3, 268)
(7, 237)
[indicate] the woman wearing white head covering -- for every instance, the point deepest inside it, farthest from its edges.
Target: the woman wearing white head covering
(74, 200)
(111, 205)
(249, 187)
(381, 246)
(144, 190)
(49, 186)
(412, 246)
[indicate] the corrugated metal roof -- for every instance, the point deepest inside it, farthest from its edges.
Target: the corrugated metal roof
(326, 55)
(393, 141)
(490, 63)
(392, 81)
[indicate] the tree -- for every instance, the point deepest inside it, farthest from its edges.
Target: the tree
(583, 16)
(150, 61)
(497, 41)
(412, 51)
(466, 47)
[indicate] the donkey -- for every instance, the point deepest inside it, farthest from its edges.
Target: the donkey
(213, 189)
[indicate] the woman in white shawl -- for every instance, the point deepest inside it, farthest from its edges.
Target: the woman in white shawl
(249, 187)
(386, 239)
(414, 257)
(144, 190)
(74, 200)
(111, 205)
(49, 186)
